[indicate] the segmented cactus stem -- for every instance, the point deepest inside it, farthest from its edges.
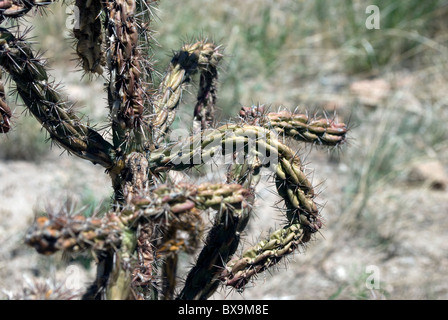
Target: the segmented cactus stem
(89, 35)
(174, 205)
(143, 273)
(44, 102)
(247, 175)
(169, 207)
(5, 111)
(291, 182)
(44, 289)
(221, 243)
(15, 9)
(265, 254)
(301, 127)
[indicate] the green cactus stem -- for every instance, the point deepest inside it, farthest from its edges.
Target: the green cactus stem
(221, 243)
(15, 9)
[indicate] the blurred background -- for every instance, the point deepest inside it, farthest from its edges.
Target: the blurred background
(384, 193)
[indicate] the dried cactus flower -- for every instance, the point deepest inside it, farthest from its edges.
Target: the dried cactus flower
(137, 244)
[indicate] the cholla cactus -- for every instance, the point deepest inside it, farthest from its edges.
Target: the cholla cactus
(137, 244)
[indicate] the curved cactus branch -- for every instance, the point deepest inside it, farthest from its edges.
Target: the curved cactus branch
(89, 36)
(126, 94)
(292, 184)
(44, 102)
(136, 245)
